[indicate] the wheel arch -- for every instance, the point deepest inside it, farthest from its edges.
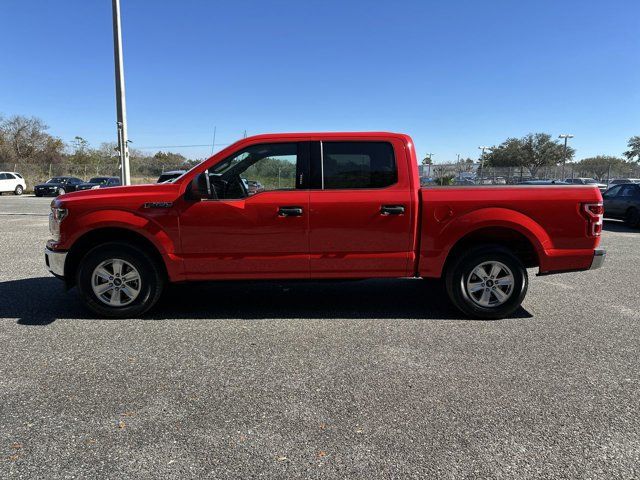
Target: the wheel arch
(105, 235)
(492, 226)
(500, 236)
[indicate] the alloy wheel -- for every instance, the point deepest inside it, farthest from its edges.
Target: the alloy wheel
(490, 284)
(116, 282)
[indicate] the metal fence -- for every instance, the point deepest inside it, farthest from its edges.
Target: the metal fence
(35, 173)
(474, 174)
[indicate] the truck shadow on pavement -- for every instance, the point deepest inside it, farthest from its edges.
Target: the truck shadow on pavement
(43, 300)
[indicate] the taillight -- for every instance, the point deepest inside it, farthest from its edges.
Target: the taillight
(594, 213)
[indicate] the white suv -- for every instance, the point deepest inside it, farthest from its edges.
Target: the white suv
(12, 182)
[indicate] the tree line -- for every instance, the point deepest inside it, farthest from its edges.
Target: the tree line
(538, 150)
(26, 142)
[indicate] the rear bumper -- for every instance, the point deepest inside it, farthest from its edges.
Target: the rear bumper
(55, 262)
(562, 261)
(598, 258)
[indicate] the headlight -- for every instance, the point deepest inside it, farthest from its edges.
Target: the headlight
(57, 215)
(95, 186)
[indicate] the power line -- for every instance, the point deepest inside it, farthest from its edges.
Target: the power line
(182, 146)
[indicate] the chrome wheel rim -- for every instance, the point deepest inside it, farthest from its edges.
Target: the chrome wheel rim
(116, 282)
(490, 284)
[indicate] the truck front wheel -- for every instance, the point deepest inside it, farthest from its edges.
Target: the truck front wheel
(487, 282)
(118, 280)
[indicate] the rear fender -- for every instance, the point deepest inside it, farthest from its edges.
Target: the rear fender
(440, 241)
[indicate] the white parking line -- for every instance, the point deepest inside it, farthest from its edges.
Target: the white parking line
(561, 285)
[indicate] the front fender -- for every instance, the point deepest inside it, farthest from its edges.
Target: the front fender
(145, 226)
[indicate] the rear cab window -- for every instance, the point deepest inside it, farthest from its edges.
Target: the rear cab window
(358, 165)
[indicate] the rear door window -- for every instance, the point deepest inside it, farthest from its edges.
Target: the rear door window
(628, 191)
(612, 192)
(355, 165)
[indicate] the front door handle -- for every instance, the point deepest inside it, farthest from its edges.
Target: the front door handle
(391, 210)
(290, 211)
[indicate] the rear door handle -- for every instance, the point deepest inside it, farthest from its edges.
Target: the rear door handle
(290, 211)
(391, 210)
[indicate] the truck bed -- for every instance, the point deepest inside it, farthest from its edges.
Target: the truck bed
(549, 217)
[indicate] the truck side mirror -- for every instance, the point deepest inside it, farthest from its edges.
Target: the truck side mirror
(200, 187)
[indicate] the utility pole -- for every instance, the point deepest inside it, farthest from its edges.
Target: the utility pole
(566, 137)
(213, 143)
(121, 107)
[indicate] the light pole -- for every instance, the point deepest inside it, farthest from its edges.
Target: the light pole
(483, 148)
(566, 137)
(121, 107)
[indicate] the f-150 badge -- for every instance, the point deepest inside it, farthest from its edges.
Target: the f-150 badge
(158, 205)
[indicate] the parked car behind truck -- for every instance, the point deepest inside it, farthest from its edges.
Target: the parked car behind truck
(99, 182)
(622, 202)
(57, 186)
(355, 209)
(12, 182)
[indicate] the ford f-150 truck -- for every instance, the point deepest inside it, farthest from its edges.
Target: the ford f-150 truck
(333, 206)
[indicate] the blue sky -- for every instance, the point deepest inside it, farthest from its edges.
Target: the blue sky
(453, 74)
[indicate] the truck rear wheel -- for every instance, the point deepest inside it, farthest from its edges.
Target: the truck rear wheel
(118, 280)
(487, 282)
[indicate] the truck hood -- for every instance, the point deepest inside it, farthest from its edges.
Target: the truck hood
(130, 197)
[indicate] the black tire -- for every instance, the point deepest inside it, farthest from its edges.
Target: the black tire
(460, 272)
(19, 190)
(38, 194)
(60, 191)
(151, 280)
(632, 218)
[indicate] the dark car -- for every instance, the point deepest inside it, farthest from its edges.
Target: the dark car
(172, 175)
(618, 181)
(623, 203)
(57, 186)
(99, 182)
(587, 181)
(543, 182)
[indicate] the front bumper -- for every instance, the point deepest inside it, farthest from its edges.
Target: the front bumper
(55, 262)
(598, 258)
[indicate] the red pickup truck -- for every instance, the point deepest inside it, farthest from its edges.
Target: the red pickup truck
(333, 206)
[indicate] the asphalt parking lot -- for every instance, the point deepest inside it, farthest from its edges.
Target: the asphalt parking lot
(377, 379)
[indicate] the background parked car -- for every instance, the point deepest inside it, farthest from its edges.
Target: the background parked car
(618, 181)
(99, 182)
(623, 202)
(587, 181)
(543, 182)
(57, 186)
(12, 182)
(463, 181)
(168, 176)
(253, 186)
